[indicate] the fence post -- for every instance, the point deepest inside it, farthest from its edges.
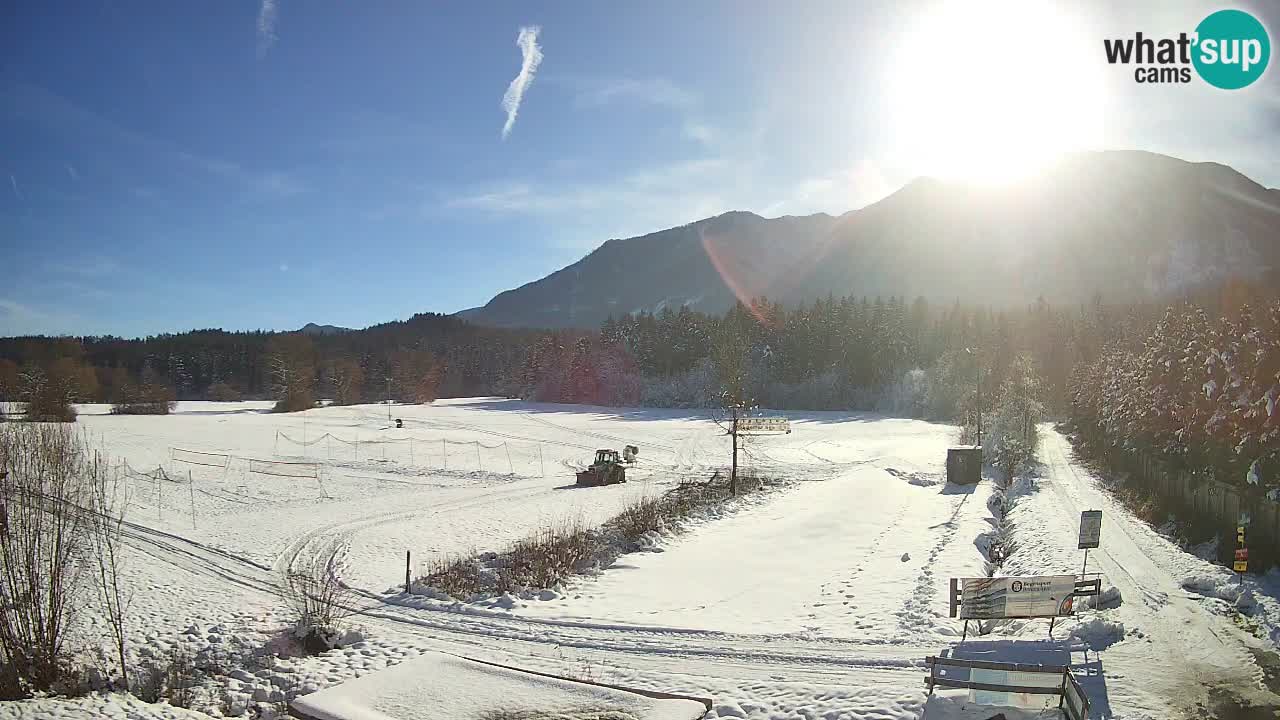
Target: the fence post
(191, 486)
(479, 463)
(540, 463)
(510, 468)
(406, 572)
(444, 448)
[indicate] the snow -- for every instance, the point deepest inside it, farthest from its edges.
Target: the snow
(112, 706)
(818, 600)
(436, 685)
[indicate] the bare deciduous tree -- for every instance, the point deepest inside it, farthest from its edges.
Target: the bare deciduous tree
(109, 502)
(46, 482)
(730, 358)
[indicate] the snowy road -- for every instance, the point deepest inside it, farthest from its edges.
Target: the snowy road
(1188, 646)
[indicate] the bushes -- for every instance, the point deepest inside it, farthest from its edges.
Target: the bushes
(51, 497)
(293, 403)
(48, 397)
(222, 392)
(319, 603)
(555, 553)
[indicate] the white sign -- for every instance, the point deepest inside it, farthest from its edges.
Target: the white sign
(748, 425)
(1016, 597)
(1090, 529)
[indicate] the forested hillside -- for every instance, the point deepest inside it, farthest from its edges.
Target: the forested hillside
(1198, 383)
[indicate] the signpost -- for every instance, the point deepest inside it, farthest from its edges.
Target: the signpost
(1241, 564)
(1090, 535)
(764, 425)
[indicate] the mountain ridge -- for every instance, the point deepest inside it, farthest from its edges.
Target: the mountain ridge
(1126, 224)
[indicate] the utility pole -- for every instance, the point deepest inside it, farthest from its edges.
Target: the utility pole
(733, 473)
(978, 374)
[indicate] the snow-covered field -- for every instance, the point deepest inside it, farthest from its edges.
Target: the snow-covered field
(817, 601)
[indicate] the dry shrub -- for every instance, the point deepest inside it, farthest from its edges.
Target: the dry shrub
(547, 557)
(460, 577)
(319, 603)
(49, 481)
(555, 553)
(294, 403)
(640, 516)
(222, 392)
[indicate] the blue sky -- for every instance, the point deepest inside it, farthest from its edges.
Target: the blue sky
(263, 165)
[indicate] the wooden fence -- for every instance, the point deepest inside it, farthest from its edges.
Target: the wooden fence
(1199, 497)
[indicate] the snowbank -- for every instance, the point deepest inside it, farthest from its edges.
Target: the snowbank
(1222, 588)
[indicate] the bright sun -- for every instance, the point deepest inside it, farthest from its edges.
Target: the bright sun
(992, 91)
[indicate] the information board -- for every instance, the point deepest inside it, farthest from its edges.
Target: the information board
(1090, 529)
(1016, 597)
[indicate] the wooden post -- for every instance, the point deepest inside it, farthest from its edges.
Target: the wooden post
(406, 572)
(444, 448)
(733, 474)
(540, 463)
(191, 486)
(479, 463)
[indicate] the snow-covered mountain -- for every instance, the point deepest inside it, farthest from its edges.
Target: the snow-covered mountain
(1123, 224)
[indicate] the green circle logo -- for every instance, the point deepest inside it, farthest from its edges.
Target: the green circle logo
(1232, 49)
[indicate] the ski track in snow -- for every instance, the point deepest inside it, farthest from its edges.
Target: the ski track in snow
(819, 601)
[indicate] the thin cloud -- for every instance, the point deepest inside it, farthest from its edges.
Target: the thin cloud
(14, 181)
(267, 15)
(18, 319)
(652, 91)
(531, 57)
(87, 266)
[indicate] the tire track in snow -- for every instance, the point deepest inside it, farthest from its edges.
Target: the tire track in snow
(589, 433)
(1193, 656)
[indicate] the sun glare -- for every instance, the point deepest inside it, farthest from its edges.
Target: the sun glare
(990, 92)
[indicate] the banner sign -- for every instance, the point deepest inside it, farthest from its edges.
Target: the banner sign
(761, 425)
(1016, 597)
(1090, 529)
(285, 469)
(196, 457)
